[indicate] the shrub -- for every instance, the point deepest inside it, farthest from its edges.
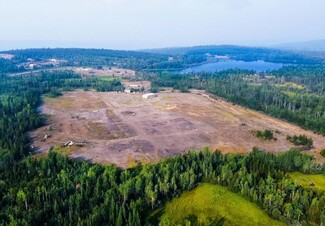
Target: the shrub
(265, 135)
(301, 140)
(322, 152)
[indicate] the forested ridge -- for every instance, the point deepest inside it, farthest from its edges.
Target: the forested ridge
(9, 66)
(243, 53)
(295, 94)
(98, 57)
(60, 191)
(159, 59)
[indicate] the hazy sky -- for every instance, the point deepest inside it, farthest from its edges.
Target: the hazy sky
(135, 24)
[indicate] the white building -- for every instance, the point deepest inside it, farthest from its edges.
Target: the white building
(148, 96)
(31, 66)
(127, 91)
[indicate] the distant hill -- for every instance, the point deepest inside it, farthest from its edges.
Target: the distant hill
(316, 45)
(239, 53)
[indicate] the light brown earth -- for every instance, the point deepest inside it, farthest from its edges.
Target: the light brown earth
(123, 128)
(145, 85)
(105, 72)
(6, 56)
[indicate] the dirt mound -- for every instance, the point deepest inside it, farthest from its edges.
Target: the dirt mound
(128, 113)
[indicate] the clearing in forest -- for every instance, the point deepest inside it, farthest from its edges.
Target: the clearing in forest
(207, 204)
(309, 181)
(124, 128)
(104, 72)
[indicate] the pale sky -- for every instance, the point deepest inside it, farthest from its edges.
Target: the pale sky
(137, 24)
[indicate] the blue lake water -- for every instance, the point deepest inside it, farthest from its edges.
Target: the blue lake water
(258, 66)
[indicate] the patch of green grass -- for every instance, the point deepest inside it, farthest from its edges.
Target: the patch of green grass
(254, 84)
(207, 205)
(290, 93)
(108, 78)
(292, 85)
(316, 181)
(67, 151)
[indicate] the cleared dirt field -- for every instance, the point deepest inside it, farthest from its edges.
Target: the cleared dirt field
(137, 84)
(105, 72)
(123, 128)
(6, 56)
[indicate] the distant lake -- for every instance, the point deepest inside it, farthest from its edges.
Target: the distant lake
(258, 66)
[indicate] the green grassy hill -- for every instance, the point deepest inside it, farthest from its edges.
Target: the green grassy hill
(316, 181)
(207, 205)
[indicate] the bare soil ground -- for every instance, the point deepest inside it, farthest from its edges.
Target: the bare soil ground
(123, 128)
(136, 84)
(6, 56)
(105, 72)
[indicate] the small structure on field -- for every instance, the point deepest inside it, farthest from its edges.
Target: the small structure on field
(148, 96)
(68, 143)
(127, 90)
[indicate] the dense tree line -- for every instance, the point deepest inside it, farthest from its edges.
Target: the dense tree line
(296, 95)
(311, 77)
(9, 66)
(160, 59)
(21, 95)
(98, 57)
(243, 53)
(59, 191)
